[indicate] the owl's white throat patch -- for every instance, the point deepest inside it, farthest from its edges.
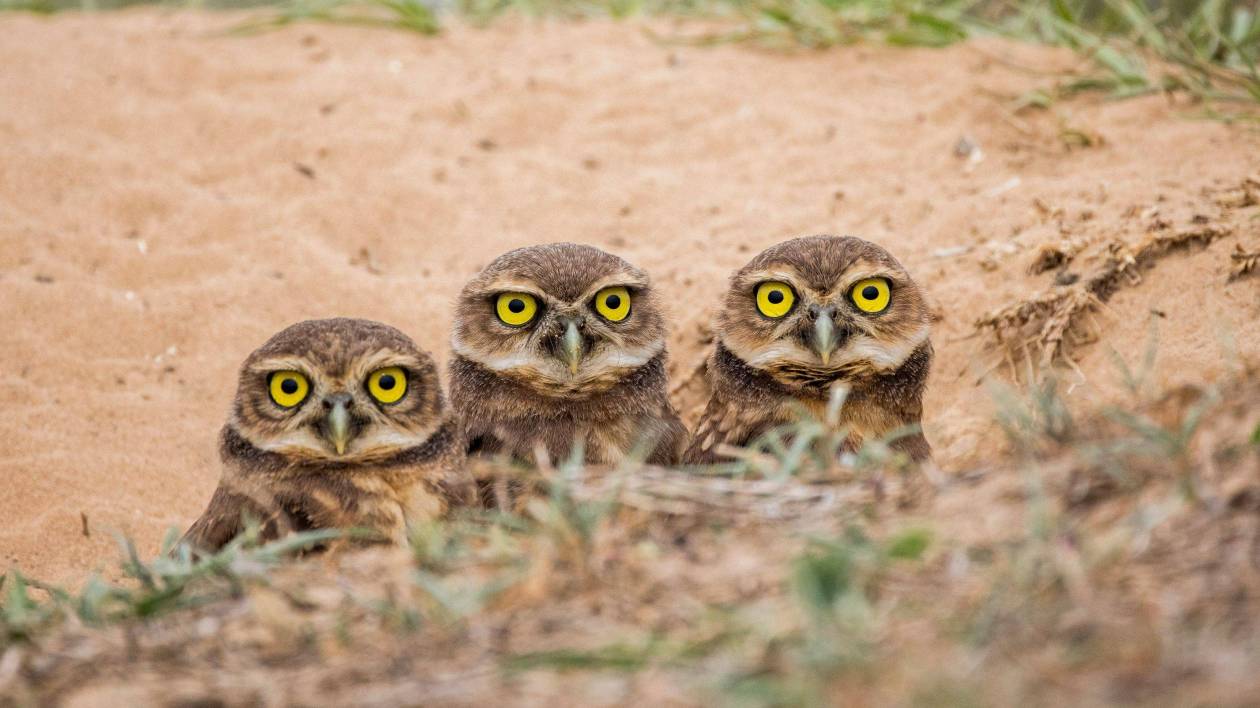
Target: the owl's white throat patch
(539, 366)
(376, 442)
(860, 350)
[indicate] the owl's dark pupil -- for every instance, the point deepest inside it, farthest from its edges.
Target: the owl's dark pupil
(613, 301)
(386, 382)
(289, 386)
(870, 292)
(775, 297)
(515, 305)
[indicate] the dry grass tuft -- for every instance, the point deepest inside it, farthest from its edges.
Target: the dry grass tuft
(1044, 329)
(1240, 197)
(1245, 262)
(1056, 255)
(664, 491)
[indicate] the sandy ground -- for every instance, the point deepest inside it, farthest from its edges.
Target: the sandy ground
(171, 195)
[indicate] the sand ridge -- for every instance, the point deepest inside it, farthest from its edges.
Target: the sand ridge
(171, 195)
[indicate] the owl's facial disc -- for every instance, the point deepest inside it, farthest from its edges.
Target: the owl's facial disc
(343, 418)
(333, 410)
(795, 328)
(581, 340)
(802, 316)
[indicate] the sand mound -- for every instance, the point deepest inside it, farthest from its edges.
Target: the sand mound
(171, 195)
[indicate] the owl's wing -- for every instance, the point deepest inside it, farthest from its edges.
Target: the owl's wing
(455, 482)
(725, 421)
(673, 438)
(224, 519)
(915, 447)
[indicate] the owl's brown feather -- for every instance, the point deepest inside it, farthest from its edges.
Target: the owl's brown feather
(225, 517)
(743, 404)
(514, 394)
(403, 464)
(505, 418)
(762, 374)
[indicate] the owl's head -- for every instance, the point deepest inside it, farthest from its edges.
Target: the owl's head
(337, 390)
(820, 308)
(560, 318)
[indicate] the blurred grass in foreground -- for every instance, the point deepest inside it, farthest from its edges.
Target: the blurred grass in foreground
(1206, 49)
(1120, 557)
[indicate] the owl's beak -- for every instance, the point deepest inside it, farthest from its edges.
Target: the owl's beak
(824, 337)
(572, 347)
(338, 423)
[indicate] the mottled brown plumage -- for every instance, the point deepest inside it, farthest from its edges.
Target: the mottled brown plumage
(570, 375)
(340, 457)
(765, 370)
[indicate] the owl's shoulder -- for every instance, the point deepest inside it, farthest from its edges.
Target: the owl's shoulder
(743, 404)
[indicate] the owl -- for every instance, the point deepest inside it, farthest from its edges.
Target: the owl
(337, 423)
(804, 316)
(563, 345)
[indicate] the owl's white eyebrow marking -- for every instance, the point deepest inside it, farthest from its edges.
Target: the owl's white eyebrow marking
(510, 285)
(627, 279)
(853, 276)
(784, 273)
(855, 273)
(382, 359)
(282, 363)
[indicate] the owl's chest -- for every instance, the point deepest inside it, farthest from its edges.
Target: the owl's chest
(862, 419)
(384, 504)
(813, 408)
(407, 492)
(603, 439)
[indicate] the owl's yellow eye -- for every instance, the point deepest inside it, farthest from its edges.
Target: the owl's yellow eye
(288, 388)
(388, 385)
(871, 295)
(775, 299)
(516, 309)
(613, 304)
